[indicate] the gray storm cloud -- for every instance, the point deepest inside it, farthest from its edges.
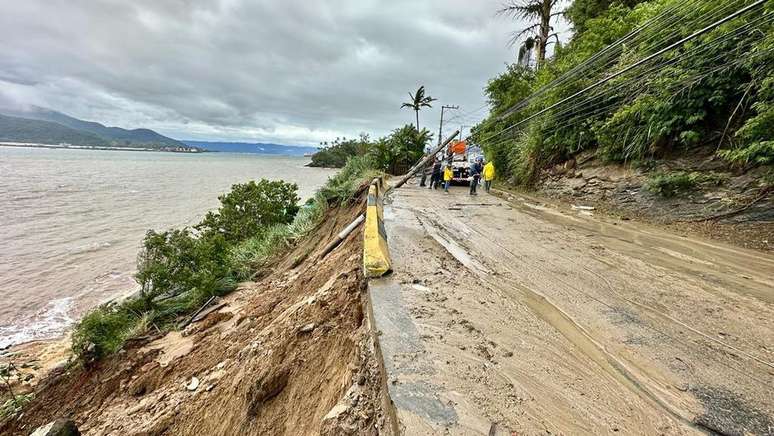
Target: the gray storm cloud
(287, 71)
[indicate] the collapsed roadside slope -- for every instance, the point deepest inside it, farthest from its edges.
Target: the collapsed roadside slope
(287, 354)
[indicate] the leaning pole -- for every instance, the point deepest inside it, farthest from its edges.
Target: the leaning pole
(360, 218)
(421, 164)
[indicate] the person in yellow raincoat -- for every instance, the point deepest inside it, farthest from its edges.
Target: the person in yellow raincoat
(448, 175)
(489, 174)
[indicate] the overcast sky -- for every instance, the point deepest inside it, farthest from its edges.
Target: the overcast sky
(287, 71)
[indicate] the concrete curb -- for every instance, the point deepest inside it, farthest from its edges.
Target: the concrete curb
(376, 263)
(376, 254)
(392, 424)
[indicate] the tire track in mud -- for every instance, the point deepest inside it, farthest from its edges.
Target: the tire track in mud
(645, 238)
(660, 314)
(667, 317)
(557, 318)
(701, 421)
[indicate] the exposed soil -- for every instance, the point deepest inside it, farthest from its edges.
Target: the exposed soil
(32, 361)
(537, 320)
(717, 211)
(290, 354)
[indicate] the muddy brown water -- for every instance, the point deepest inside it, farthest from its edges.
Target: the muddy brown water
(73, 222)
(675, 333)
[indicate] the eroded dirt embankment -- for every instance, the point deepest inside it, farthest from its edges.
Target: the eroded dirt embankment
(287, 354)
(727, 204)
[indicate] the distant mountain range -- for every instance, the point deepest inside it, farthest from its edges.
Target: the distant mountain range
(44, 126)
(258, 147)
(39, 125)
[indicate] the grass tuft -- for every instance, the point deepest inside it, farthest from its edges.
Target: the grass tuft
(674, 183)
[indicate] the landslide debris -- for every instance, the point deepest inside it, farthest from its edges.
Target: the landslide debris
(290, 353)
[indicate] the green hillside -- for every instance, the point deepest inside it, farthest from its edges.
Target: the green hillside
(107, 136)
(627, 88)
(13, 129)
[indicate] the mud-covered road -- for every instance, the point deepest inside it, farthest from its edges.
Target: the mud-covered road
(534, 319)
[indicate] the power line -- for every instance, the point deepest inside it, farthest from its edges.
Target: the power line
(631, 38)
(636, 64)
(687, 56)
(599, 110)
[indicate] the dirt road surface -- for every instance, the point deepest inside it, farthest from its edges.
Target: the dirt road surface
(529, 319)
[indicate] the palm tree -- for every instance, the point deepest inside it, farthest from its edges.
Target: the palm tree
(539, 12)
(525, 51)
(418, 101)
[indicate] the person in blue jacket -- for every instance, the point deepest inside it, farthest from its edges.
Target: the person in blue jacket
(475, 174)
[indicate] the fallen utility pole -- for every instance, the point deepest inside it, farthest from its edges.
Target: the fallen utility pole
(422, 163)
(354, 224)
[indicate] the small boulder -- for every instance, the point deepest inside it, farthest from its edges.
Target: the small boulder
(60, 427)
(306, 328)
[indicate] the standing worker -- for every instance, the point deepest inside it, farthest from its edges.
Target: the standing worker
(489, 174)
(435, 178)
(448, 175)
(475, 175)
(424, 176)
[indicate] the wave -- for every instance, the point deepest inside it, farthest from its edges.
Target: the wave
(47, 323)
(27, 197)
(90, 248)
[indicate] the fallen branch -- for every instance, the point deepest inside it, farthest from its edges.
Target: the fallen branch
(733, 114)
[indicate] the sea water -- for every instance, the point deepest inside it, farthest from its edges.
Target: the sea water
(72, 222)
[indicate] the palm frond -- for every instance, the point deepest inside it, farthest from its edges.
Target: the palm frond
(526, 9)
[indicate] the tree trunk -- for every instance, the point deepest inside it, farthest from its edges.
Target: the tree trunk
(417, 111)
(545, 30)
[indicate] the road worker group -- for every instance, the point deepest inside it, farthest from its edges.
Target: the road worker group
(461, 165)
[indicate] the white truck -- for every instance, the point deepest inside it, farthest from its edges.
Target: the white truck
(462, 156)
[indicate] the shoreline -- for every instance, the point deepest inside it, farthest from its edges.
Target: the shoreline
(105, 148)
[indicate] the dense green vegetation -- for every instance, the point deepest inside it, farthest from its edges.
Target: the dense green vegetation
(179, 270)
(249, 208)
(393, 153)
(717, 90)
(336, 153)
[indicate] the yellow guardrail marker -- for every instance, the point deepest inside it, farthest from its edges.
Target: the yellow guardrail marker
(376, 255)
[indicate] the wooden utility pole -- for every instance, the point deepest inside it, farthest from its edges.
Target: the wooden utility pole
(360, 218)
(440, 128)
